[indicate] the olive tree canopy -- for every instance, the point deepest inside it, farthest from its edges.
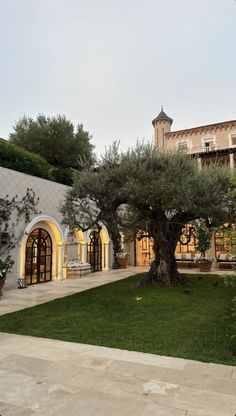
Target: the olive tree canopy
(163, 191)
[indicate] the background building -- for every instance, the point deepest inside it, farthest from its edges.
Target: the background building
(206, 143)
(210, 143)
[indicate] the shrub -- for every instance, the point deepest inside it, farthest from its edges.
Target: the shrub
(64, 176)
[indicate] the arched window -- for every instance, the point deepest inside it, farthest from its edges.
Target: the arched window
(145, 251)
(38, 259)
(225, 242)
(187, 241)
(95, 251)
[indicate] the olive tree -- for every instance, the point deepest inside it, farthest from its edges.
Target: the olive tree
(162, 190)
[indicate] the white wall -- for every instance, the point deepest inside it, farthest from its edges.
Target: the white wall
(50, 196)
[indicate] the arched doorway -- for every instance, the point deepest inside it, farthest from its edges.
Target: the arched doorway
(145, 251)
(38, 258)
(95, 251)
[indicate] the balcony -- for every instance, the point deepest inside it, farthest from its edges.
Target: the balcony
(202, 149)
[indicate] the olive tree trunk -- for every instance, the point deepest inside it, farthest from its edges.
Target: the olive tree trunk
(163, 269)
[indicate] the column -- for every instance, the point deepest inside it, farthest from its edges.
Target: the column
(107, 256)
(60, 247)
(199, 161)
(83, 246)
(21, 261)
(231, 160)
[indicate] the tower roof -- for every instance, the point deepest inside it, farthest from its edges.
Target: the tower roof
(162, 116)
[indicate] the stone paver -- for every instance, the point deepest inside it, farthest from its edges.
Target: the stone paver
(48, 377)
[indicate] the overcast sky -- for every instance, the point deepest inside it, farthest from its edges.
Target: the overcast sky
(109, 64)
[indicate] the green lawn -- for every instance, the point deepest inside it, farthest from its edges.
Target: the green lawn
(164, 321)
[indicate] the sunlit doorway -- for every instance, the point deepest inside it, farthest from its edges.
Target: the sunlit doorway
(38, 259)
(95, 251)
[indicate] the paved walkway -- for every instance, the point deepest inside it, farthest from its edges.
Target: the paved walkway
(47, 377)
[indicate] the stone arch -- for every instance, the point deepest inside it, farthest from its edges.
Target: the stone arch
(106, 243)
(53, 228)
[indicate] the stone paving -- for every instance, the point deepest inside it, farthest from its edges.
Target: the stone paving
(48, 377)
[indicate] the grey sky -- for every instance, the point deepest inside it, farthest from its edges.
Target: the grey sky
(109, 64)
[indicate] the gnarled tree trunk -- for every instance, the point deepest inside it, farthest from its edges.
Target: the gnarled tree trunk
(163, 269)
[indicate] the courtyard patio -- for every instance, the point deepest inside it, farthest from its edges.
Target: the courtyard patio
(52, 377)
(48, 377)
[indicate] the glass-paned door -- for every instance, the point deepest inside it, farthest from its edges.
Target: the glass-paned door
(225, 242)
(187, 241)
(95, 251)
(38, 258)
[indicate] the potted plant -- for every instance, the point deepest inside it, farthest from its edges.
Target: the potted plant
(121, 259)
(5, 265)
(203, 235)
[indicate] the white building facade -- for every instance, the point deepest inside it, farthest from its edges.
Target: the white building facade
(45, 244)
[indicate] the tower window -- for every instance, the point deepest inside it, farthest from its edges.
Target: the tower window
(233, 139)
(183, 146)
(209, 144)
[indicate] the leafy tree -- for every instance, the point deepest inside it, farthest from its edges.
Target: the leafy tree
(163, 192)
(55, 139)
(12, 212)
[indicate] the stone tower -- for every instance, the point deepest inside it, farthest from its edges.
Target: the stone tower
(162, 124)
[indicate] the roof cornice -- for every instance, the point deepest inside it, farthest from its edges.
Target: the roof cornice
(214, 126)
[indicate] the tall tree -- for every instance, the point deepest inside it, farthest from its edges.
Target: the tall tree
(163, 191)
(55, 139)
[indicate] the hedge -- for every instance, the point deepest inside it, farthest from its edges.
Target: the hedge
(17, 158)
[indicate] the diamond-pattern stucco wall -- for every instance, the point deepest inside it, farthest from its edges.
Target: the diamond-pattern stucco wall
(50, 196)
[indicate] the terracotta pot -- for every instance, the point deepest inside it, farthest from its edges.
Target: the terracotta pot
(205, 267)
(121, 262)
(2, 283)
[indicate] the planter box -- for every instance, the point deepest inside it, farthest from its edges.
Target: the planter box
(121, 262)
(205, 267)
